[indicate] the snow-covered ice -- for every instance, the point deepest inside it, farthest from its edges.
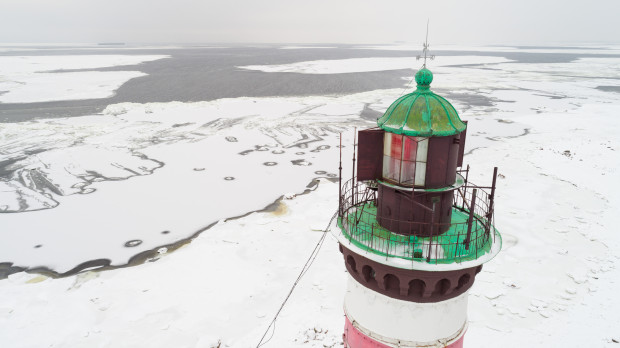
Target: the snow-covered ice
(28, 79)
(167, 303)
(304, 47)
(353, 65)
(579, 49)
(201, 154)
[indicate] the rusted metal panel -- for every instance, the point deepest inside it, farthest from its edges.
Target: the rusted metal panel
(423, 215)
(388, 209)
(370, 154)
(442, 159)
(462, 137)
(397, 213)
(380, 203)
(437, 162)
(452, 160)
(446, 210)
(405, 215)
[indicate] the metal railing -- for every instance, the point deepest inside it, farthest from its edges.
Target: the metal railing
(468, 236)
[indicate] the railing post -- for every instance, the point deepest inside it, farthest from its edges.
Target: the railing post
(456, 246)
(353, 185)
(430, 239)
(340, 180)
(491, 201)
(372, 236)
(361, 212)
(412, 248)
(467, 175)
(471, 218)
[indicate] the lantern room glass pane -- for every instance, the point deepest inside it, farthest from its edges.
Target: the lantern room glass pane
(407, 173)
(422, 150)
(387, 144)
(391, 168)
(396, 147)
(410, 146)
(420, 174)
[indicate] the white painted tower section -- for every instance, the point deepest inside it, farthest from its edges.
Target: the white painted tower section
(388, 319)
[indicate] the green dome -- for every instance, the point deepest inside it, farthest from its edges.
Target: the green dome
(422, 113)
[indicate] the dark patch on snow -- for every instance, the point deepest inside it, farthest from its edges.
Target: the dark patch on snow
(615, 89)
(370, 114)
(133, 243)
(181, 124)
(321, 148)
(301, 162)
(551, 96)
(470, 98)
(7, 268)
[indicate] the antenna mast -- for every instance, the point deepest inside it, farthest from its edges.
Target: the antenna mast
(425, 46)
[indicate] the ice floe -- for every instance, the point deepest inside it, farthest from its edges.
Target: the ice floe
(27, 79)
(353, 65)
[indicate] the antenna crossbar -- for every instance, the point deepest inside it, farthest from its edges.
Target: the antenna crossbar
(425, 54)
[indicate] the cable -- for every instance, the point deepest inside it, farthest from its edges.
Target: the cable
(305, 269)
(407, 87)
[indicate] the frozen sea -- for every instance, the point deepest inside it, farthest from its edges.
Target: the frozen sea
(193, 74)
(220, 164)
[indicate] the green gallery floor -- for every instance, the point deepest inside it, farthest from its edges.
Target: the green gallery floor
(361, 228)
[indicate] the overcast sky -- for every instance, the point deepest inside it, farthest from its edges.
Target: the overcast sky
(507, 22)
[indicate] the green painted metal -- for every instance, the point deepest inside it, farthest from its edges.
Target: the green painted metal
(422, 113)
(449, 247)
(423, 78)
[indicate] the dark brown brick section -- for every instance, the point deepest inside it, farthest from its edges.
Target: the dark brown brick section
(408, 285)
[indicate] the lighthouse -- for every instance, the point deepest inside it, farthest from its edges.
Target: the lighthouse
(413, 230)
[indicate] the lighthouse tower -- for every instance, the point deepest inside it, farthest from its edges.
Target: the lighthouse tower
(414, 232)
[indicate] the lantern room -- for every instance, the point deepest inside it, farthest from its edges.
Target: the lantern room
(413, 156)
(419, 141)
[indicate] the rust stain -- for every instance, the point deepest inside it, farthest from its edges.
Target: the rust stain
(36, 279)
(280, 210)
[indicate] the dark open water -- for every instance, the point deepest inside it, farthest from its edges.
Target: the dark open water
(202, 74)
